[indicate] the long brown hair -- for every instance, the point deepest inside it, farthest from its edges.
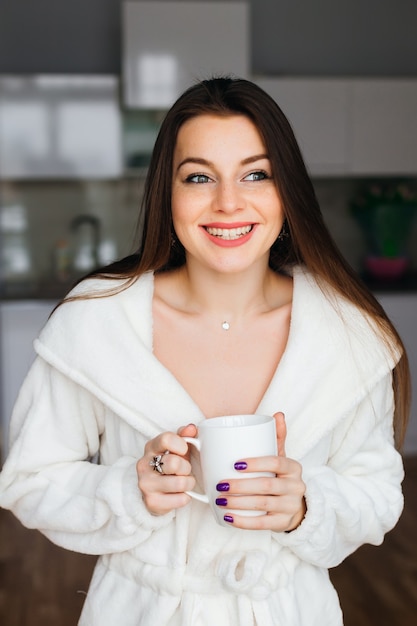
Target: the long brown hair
(309, 242)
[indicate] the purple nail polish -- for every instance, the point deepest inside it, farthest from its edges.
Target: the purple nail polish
(240, 465)
(223, 487)
(228, 518)
(221, 501)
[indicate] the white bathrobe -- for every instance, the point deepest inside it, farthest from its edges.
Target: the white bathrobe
(96, 388)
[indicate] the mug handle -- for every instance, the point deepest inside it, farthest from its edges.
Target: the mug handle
(194, 494)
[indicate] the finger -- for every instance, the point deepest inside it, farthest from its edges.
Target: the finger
(160, 463)
(283, 504)
(281, 432)
(163, 493)
(166, 441)
(188, 431)
(171, 464)
(159, 504)
(277, 465)
(283, 513)
(168, 484)
(277, 522)
(268, 485)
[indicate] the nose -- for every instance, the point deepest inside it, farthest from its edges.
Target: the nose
(228, 198)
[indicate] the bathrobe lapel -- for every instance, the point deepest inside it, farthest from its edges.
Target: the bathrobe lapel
(334, 356)
(105, 345)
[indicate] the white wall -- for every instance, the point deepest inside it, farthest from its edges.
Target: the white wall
(402, 309)
(20, 323)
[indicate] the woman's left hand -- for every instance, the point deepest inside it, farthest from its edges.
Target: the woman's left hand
(281, 496)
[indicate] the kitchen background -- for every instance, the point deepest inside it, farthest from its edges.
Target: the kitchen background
(84, 86)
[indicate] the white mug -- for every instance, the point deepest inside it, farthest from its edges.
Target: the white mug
(224, 440)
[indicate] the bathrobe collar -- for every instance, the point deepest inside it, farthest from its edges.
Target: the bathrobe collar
(332, 359)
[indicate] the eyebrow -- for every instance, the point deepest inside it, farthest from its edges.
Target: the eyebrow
(200, 161)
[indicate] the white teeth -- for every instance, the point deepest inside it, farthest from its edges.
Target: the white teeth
(229, 233)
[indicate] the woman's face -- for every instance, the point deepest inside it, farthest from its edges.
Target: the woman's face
(225, 206)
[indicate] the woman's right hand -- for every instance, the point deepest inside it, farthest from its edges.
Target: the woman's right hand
(163, 492)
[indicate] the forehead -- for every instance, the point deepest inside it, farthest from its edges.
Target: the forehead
(210, 132)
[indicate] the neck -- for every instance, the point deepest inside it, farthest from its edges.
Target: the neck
(227, 297)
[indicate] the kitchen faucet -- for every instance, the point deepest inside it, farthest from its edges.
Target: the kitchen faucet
(86, 232)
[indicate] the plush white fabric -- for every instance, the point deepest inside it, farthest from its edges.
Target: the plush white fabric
(96, 387)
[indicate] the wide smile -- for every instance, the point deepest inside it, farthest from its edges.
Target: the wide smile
(229, 234)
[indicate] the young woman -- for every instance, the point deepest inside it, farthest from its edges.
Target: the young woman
(236, 302)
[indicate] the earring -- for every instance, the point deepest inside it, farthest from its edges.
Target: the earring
(284, 234)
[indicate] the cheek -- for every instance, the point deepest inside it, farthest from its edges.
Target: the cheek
(179, 213)
(275, 211)
(277, 218)
(181, 220)
(186, 208)
(177, 208)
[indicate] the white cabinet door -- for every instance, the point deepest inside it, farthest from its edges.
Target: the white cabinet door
(402, 310)
(20, 323)
(318, 112)
(60, 127)
(384, 127)
(351, 126)
(168, 45)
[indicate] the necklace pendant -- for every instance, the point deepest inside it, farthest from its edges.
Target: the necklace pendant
(225, 325)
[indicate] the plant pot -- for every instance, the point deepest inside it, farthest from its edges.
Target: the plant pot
(386, 268)
(386, 227)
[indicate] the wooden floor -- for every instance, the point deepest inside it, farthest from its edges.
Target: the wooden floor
(42, 585)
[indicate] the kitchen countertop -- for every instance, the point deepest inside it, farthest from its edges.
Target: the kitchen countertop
(56, 290)
(42, 290)
(405, 284)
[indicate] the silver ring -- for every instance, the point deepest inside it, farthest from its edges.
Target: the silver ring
(157, 462)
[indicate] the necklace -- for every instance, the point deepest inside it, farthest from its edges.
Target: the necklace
(225, 325)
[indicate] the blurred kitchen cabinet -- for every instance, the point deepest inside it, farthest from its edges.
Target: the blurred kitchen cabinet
(402, 310)
(167, 46)
(351, 126)
(60, 127)
(317, 111)
(20, 323)
(384, 127)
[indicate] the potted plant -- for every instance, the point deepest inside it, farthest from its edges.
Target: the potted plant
(385, 213)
